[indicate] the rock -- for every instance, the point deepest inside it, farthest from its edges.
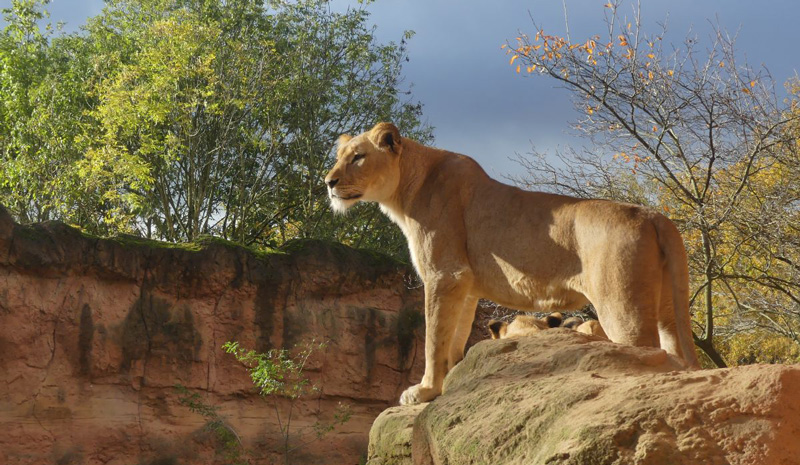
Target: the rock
(562, 397)
(96, 333)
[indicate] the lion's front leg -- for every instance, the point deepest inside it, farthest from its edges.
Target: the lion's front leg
(444, 301)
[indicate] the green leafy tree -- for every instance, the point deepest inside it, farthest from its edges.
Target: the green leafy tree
(173, 119)
(44, 97)
(227, 112)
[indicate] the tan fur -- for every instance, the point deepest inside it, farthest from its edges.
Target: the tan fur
(472, 237)
(591, 327)
(524, 325)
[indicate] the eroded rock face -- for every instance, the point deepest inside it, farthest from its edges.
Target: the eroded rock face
(562, 397)
(95, 334)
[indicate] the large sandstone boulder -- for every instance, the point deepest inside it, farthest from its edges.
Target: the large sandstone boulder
(561, 397)
(96, 333)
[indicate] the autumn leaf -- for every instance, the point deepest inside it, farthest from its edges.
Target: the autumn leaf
(511, 62)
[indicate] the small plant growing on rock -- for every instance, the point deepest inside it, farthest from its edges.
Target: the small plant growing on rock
(278, 374)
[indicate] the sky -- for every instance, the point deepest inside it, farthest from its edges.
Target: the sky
(477, 103)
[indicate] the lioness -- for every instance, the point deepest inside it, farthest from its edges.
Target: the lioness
(470, 237)
(524, 325)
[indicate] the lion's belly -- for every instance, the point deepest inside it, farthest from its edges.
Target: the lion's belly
(532, 290)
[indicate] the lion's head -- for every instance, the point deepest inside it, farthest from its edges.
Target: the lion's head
(367, 167)
(523, 325)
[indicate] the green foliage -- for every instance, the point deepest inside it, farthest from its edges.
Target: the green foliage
(278, 373)
(177, 118)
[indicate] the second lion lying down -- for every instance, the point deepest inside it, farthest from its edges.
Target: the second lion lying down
(472, 237)
(523, 325)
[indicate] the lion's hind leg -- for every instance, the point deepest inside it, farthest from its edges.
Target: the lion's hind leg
(628, 312)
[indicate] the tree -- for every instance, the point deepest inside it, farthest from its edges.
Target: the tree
(172, 119)
(698, 135)
(233, 107)
(43, 100)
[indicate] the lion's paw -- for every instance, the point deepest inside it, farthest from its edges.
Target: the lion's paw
(417, 394)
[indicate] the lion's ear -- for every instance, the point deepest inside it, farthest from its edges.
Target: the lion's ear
(554, 320)
(386, 136)
(496, 327)
(343, 139)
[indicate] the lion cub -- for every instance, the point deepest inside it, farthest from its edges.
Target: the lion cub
(525, 324)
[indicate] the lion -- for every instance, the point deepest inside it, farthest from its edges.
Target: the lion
(472, 237)
(523, 325)
(587, 327)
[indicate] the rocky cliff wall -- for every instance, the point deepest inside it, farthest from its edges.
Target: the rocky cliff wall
(95, 334)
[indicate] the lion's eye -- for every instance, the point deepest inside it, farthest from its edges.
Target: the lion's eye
(356, 157)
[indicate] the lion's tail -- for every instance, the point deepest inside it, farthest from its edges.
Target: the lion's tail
(671, 243)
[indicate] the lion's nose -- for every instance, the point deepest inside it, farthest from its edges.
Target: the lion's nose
(332, 183)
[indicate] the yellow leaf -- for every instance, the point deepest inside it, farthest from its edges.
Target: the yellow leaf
(512, 59)
(517, 69)
(752, 83)
(670, 72)
(650, 56)
(608, 5)
(721, 64)
(650, 75)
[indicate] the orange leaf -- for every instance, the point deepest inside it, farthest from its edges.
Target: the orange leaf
(517, 69)
(752, 83)
(745, 90)
(512, 59)
(650, 56)
(721, 64)
(503, 46)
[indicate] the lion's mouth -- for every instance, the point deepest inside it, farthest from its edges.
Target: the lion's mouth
(349, 197)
